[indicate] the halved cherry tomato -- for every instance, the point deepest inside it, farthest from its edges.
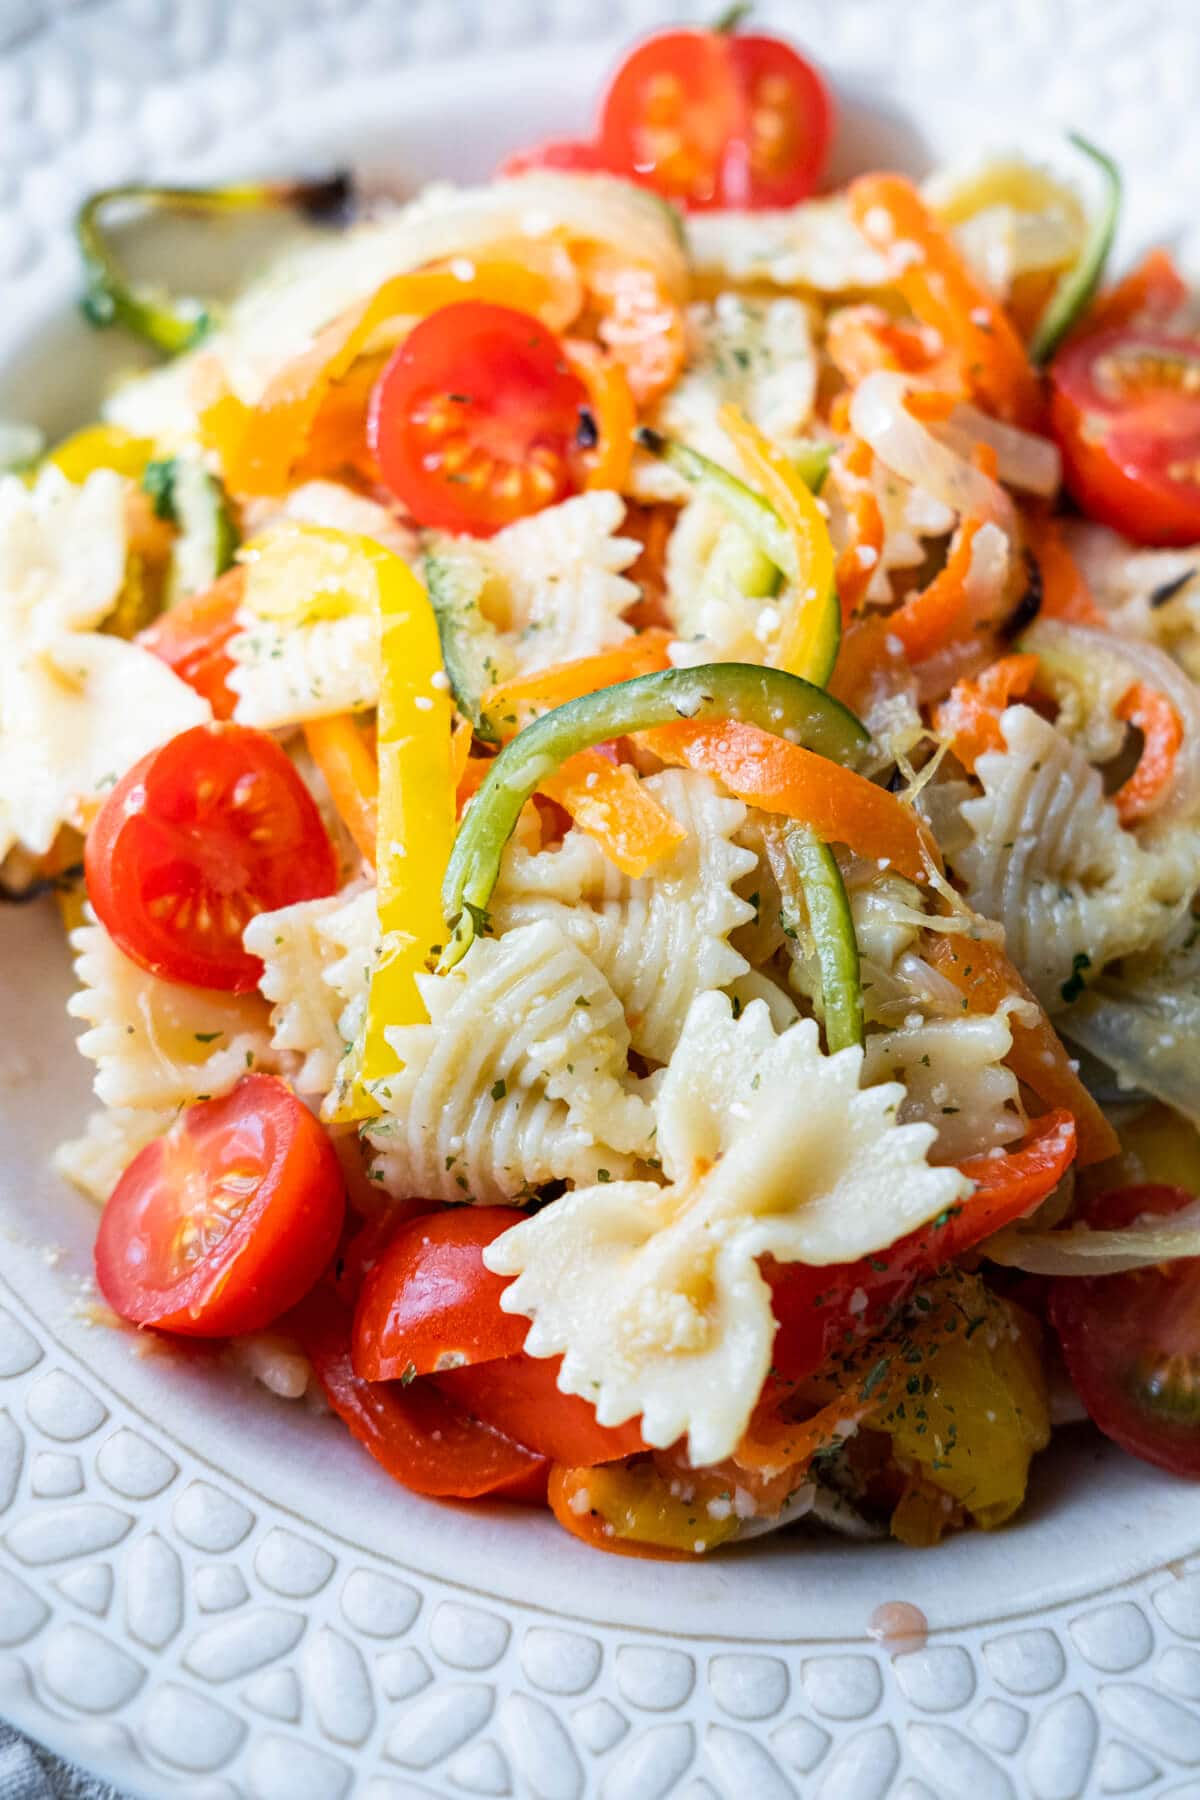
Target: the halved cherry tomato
(710, 118)
(823, 1312)
(475, 419)
(193, 636)
(575, 154)
(226, 1221)
(1132, 1342)
(1126, 413)
(520, 1396)
(414, 1431)
(202, 834)
(429, 1304)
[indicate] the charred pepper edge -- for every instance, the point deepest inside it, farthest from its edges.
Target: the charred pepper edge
(770, 698)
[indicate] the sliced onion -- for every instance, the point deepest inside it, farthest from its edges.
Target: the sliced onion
(1080, 1251)
(1127, 659)
(1024, 460)
(878, 414)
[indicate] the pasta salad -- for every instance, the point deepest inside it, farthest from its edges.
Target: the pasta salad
(620, 756)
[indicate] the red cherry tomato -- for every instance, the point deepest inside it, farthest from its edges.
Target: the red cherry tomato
(823, 1312)
(1125, 409)
(192, 638)
(228, 1220)
(475, 418)
(418, 1434)
(1131, 1342)
(713, 119)
(202, 834)
(574, 154)
(429, 1304)
(520, 1396)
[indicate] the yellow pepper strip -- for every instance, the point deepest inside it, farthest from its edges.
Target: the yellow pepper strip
(340, 751)
(607, 800)
(101, 447)
(809, 635)
(416, 805)
(260, 458)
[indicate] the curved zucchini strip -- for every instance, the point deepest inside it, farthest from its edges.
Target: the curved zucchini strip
(1076, 288)
(470, 642)
(770, 698)
(833, 931)
(168, 322)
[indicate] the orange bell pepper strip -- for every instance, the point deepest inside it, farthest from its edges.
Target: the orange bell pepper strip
(276, 430)
(342, 754)
(607, 800)
(1154, 288)
(939, 613)
(614, 413)
(936, 283)
(1065, 593)
(860, 558)
(1162, 735)
(970, 714)
(985, 977)
(780, 777)
(510, 704)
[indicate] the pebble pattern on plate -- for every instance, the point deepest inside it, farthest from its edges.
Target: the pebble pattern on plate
(173, 1632)
(188, 1631)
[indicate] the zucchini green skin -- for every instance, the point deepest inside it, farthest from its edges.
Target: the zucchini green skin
(186, 493)
(833, 931)
(1076, 288)
(469, 642)
(760, 520)
(770, 698)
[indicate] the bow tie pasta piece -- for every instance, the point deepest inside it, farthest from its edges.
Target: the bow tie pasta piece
(518, 1079)
(956, 1081)
(111, 1139)
(549, 588)
(286, 673)
(317, 959)
(1050, 860)
(158, 1043)
(755, 354)
(659, 939)
(77, 708)
(652, 1295)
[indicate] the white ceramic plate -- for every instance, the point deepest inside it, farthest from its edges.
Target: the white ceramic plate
(206, 1591)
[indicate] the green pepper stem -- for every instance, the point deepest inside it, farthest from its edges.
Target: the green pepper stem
(833, 933)
(770, 698)
(171, 323)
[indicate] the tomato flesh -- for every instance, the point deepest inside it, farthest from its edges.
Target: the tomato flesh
(205, 832)
(415, 1432)
(224, 1223)
(824, 1312)
(429, 1304)
(1125, 410)
(574, 154)
(474, 421)
(520, 1396)
(1131, 1342)
(714, 119)
(193, 638)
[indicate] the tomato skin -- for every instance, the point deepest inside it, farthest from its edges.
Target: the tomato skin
(474, 419)
(1118, 449)
(520, 1396)
(1128, 1340)
(266, 1257)
(574, 154)
(202, 833)
(193, 636)
(415, 1432)
(823, 1312)
(715, 119)
(428, 1303)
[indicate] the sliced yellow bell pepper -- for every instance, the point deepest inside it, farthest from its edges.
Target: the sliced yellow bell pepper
(811, 631)
(102, 447)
